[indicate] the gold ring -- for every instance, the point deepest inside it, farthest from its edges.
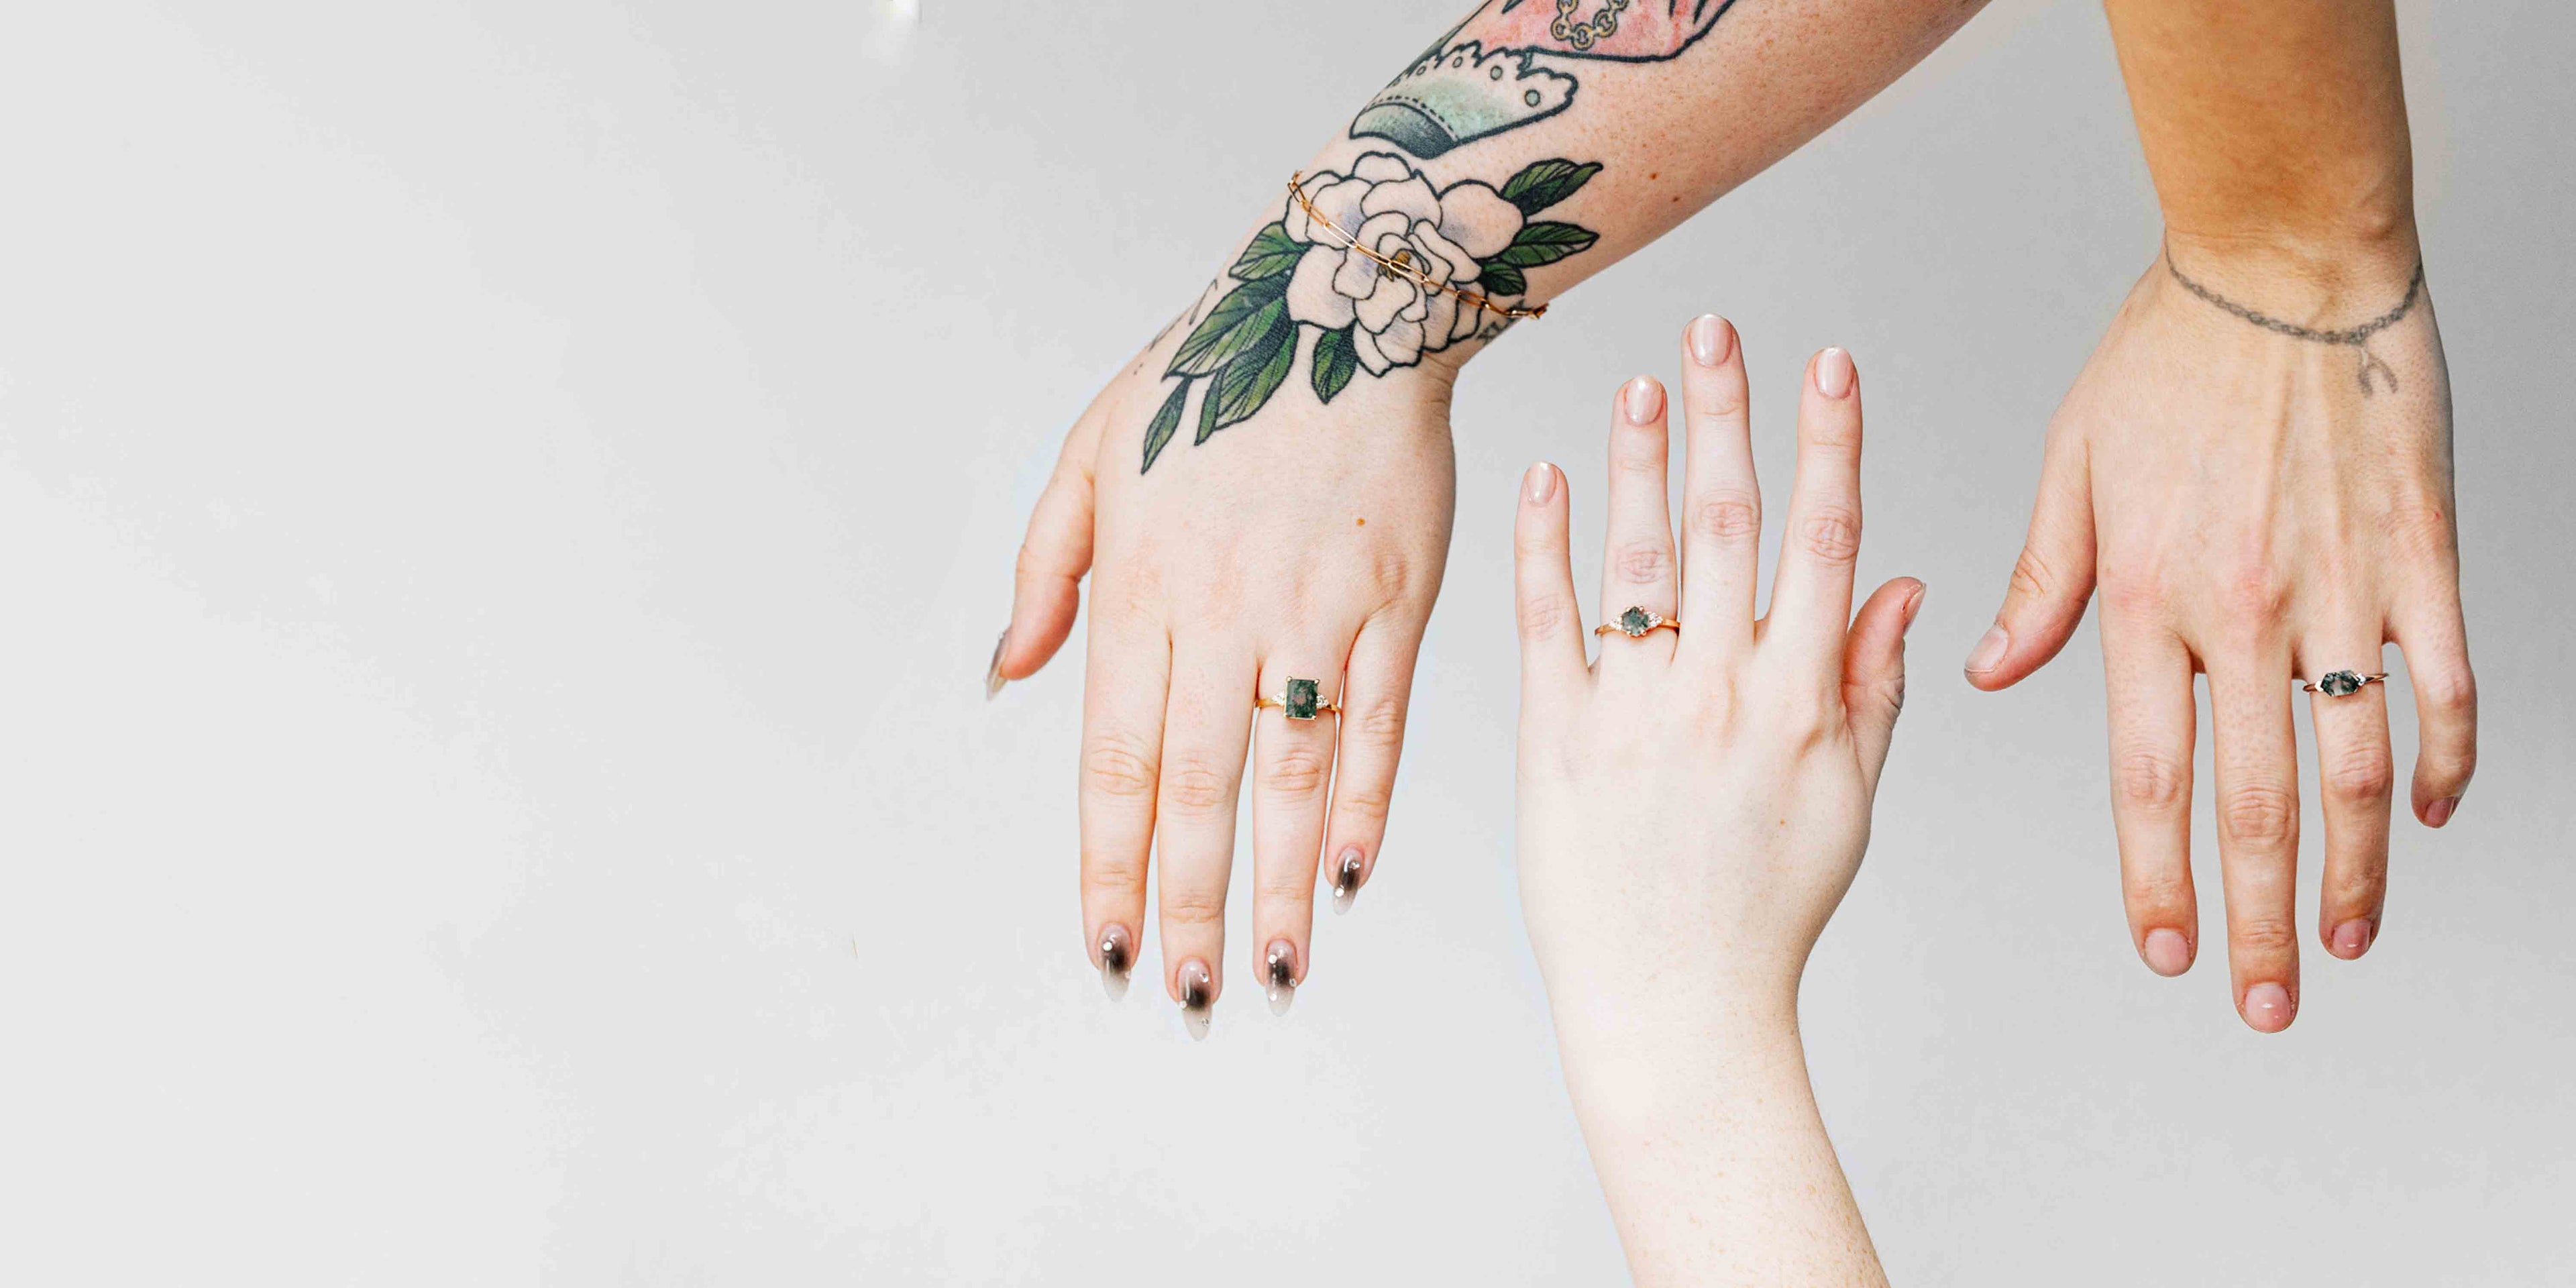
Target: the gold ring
(1299, 700)
(1637, 621)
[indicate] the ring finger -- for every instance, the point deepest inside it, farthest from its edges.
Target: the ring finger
(2355, 771)
(1637, 560)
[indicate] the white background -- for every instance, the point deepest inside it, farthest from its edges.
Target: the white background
(503, 512)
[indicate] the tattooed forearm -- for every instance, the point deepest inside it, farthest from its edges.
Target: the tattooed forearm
(1497, 70)
(1381, 269)
(2356, 336)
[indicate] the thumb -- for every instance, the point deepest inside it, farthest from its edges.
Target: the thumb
(1047, 588)
(1874, 670)
(2052, 580)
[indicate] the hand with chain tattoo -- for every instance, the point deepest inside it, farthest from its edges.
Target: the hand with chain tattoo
(1262, 499)
(2254, 470)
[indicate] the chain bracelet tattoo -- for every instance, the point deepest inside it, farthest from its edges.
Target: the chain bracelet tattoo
(2356, 336)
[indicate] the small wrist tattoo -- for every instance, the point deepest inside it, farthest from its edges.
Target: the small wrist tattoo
(2356, 336)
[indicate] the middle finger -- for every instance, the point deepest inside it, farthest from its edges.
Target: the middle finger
(1204, 731)
(2257, 757)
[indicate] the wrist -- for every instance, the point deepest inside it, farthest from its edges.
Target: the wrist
(2317, 274)
(1653, 1085)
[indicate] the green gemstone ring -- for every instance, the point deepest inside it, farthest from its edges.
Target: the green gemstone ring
(1299, 700)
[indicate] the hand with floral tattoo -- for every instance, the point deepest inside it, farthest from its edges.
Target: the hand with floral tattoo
(2254, 469)
(1262, 499)
(1692, 807)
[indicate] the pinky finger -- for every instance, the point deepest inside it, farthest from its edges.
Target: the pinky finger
(1375, 689)
(2446, 706)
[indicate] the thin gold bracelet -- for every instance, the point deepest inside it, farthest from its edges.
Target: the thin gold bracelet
(1402, 264)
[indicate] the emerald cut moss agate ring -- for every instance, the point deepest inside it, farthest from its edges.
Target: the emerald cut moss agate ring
(2342, 684)
(1637, 621)
(1299, 700)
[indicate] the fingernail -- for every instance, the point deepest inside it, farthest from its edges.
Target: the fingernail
(993, 680)
(1346, 879)
(2352, 939)
(2439, 812)
(1117, 960)
(1833, 373)
(2168, 953)
(1642, 401)
(1989, 652)
(2267, 1008)
(1540, 483)
(1711, 339)
(1914, 604)
(1198, 997)
(1279, 975)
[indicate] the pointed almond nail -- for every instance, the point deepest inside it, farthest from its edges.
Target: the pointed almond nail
(1117, 960)
(1346, 879)
(993, 680)
(1279, 975)
(1198, 997)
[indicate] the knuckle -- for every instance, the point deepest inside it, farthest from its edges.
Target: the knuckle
(1644, 563)
(2451, 690)
(2262, 814)
(2360, 774)
(1362, 804)
(1377, 724)
(1197, 789)
(2031, 575)
(2419, 527)
(2263, 936)
(1296, 771)
(1390, 573)
(1831, 534)
(1119, 873)
(2254, 596)
(2146, 778)
(1543, 616)
(1289, 883)
(1116, 765)
(1194, 905)
(1729, 517)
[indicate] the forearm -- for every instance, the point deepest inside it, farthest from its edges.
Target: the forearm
(2275, 128)
(1506, 164)
(1716, 1166)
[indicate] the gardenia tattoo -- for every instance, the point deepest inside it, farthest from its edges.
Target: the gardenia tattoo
(1462, 250)
(2357, 336)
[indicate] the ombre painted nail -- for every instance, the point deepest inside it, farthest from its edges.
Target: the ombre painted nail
(1117, 960)
(1346, 879)
(1198, 997)
(1279, 975)
(993, 680)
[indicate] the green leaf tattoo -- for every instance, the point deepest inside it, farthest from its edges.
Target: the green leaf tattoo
(1406, 295)
(1270, 254)
(1546, 242)
(1165, 421)
(1546, 183)
(1334, 363)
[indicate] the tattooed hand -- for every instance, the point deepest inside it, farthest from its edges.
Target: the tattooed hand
(2256, 470)
(1692, 808)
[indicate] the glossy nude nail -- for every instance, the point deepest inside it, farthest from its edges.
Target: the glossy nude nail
(1642, 401)
(1989, 652)
(2167, 952)
(1279, 975)
(1834, 373)
(1711, 339)
(1540, 483)
(2268, 1008)
(1198, 997)
(2352, 938)
(993, 680)
(1346, 879)
(1117, 960)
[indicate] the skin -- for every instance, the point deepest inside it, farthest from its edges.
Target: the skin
(2244, 509)
(1309, 540)
(1692, 809)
